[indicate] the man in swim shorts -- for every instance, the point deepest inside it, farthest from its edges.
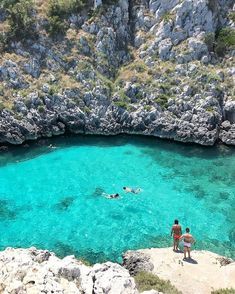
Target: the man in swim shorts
(188, 241)
(132, 190)
(176, 231)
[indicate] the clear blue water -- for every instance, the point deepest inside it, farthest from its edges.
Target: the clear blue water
(51, 197)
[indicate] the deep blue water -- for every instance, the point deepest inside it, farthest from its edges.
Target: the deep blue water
(52, 197)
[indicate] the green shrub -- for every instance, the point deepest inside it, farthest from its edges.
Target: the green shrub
(220, 49)
(3, 41)
(21, 20)
(54, 89)
(7, 3)
(63, 8)
(210, 41)
(224, 291)
(87, 109)
(162, 100)
(139, 66)
(227, 36)
(56, 26)
(58, 11)
(147, 281)
(168, 16)
(232, 16)
(147, 107)
(41, 108)
(2, 106)
(225, 40)
(122, 104)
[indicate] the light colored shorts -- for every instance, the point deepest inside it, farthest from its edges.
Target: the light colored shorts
(186, 244)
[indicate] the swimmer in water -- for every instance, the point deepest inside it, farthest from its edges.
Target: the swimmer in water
(132, 190)
(51, 146)
(111, 196)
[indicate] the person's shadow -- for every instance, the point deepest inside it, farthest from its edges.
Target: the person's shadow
(178, 251)
(190, 260)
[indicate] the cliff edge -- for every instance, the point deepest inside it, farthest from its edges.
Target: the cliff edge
(40, 271)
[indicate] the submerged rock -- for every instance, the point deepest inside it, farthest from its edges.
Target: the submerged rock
(65, 203)
(6, 212)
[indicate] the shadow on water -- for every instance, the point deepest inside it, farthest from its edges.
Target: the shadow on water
(157, 241)
(224, 195)
(6, 211)
(128, 152)
(63, 249)
(196, 190)
(230, 214)
(232, 236)
(89, 256)
(150, 146)
(65, 203)
(98, 192)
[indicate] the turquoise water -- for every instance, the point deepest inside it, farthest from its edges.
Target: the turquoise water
(51, 197)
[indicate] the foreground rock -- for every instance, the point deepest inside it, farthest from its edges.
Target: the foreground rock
(36, 271)
(206, 272)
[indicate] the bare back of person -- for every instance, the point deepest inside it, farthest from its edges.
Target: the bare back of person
(176, 229)
(188, 238)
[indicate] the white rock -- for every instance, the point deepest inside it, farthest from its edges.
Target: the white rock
(164, 48)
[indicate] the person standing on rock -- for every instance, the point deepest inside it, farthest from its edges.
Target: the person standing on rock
(176, 231)
(188, 241)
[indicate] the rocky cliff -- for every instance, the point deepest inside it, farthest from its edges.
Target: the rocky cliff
(152, 67)
(36, 271)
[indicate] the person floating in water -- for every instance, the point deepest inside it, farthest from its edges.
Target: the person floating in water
(188, 241)
(132, 190)
(111, 196)
(176, 231)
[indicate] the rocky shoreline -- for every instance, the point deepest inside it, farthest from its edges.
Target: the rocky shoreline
(119, 121)
(40, 271)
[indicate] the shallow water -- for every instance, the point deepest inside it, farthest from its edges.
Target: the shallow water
(52, 197)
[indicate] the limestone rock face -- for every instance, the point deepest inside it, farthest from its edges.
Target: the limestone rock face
(136, 262)
(111, 278)
(229, 111)
(136, 67)
(40, 271)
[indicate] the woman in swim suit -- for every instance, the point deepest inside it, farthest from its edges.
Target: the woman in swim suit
(176, 231)
(188, 241)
